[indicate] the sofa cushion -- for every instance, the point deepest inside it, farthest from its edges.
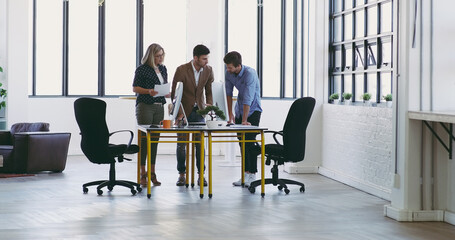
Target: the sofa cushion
(29, 127)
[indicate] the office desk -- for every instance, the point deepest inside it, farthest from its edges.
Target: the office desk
(212, 133)
(149, 131)
(441, 117)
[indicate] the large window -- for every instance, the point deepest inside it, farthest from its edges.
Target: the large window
(172, 37)
(83, 51)
(48, 51)
(120, 47)
(269, 35)
(86, 48)
(361, 37)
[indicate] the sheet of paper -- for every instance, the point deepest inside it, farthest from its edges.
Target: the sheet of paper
(162, 89)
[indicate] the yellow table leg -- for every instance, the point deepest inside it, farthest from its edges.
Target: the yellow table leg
(243, 160)
(210, 165)
(193, 147)
(187, 159)
(201, 176)
(139, 138)
(149, 167)
(262, 164)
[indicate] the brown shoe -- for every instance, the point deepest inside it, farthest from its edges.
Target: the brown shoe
(144, 179)
(154, 181)
(181, 181)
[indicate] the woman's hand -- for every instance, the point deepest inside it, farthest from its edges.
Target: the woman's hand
(152, 92)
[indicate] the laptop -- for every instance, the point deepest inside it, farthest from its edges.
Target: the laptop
(196, 123)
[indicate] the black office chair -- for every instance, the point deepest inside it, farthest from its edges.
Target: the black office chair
(91, 118)
(293, 147)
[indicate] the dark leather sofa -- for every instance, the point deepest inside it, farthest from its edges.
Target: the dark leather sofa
(30, 147)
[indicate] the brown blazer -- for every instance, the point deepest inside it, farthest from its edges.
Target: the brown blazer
(191, 93)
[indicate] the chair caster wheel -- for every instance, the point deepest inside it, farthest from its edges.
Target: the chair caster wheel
(85, 190)
(192, 185)
(280, 187)
(149, 196)
(139, 189)
(110, 188)
(201, 196)
(286, 191)
(210, 195)
(252, 189)
(133, 192)
(302, 189)
(100, 192)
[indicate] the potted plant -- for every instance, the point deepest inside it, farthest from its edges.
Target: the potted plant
(366, 99)
(335, 98)
(347, 98)
(213, 112)
(388, 99)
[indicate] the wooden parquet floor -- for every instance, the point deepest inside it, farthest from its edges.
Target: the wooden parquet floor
(52, 206)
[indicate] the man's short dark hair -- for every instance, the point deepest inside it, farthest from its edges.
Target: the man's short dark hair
(233, 58)
(200, 50)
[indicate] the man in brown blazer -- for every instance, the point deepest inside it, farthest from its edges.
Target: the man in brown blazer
(196, 77)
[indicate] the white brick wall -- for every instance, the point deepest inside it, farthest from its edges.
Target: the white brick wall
(357, 147)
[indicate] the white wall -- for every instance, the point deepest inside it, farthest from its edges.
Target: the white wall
(357, 143)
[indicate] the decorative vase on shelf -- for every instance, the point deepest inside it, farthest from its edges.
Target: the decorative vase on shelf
(366, 99)
(389, 104)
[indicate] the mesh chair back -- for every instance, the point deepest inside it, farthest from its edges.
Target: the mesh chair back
(294, 130)
(91, 117)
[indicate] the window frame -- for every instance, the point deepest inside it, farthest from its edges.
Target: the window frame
(297, 55)
(364, 43)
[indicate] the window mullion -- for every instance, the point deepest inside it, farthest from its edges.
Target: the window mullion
(65, 48)
(260, 33)
(101, 48)
(139, 31)
(283, 50)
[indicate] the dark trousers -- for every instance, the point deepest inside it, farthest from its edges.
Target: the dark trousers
(181, 147)
(251, 162)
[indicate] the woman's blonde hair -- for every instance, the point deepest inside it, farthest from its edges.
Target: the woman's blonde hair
(150, 54)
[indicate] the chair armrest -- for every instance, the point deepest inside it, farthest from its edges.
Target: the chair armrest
(131, 136)
(274, 135)
(5, 138)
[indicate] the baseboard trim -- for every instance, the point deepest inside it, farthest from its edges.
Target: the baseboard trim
(419, 216)
(300, 169)
(449, 217)
(397, 214)
(373, 189)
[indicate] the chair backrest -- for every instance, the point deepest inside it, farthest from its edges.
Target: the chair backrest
(29, 127)
(91, 117)
(294, 130)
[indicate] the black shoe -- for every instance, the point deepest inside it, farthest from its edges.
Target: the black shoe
(199, 182)
(180, 181)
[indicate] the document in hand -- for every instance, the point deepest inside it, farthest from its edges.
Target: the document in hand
(162, 89)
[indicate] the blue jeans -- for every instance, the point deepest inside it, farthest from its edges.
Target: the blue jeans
(181, 147)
